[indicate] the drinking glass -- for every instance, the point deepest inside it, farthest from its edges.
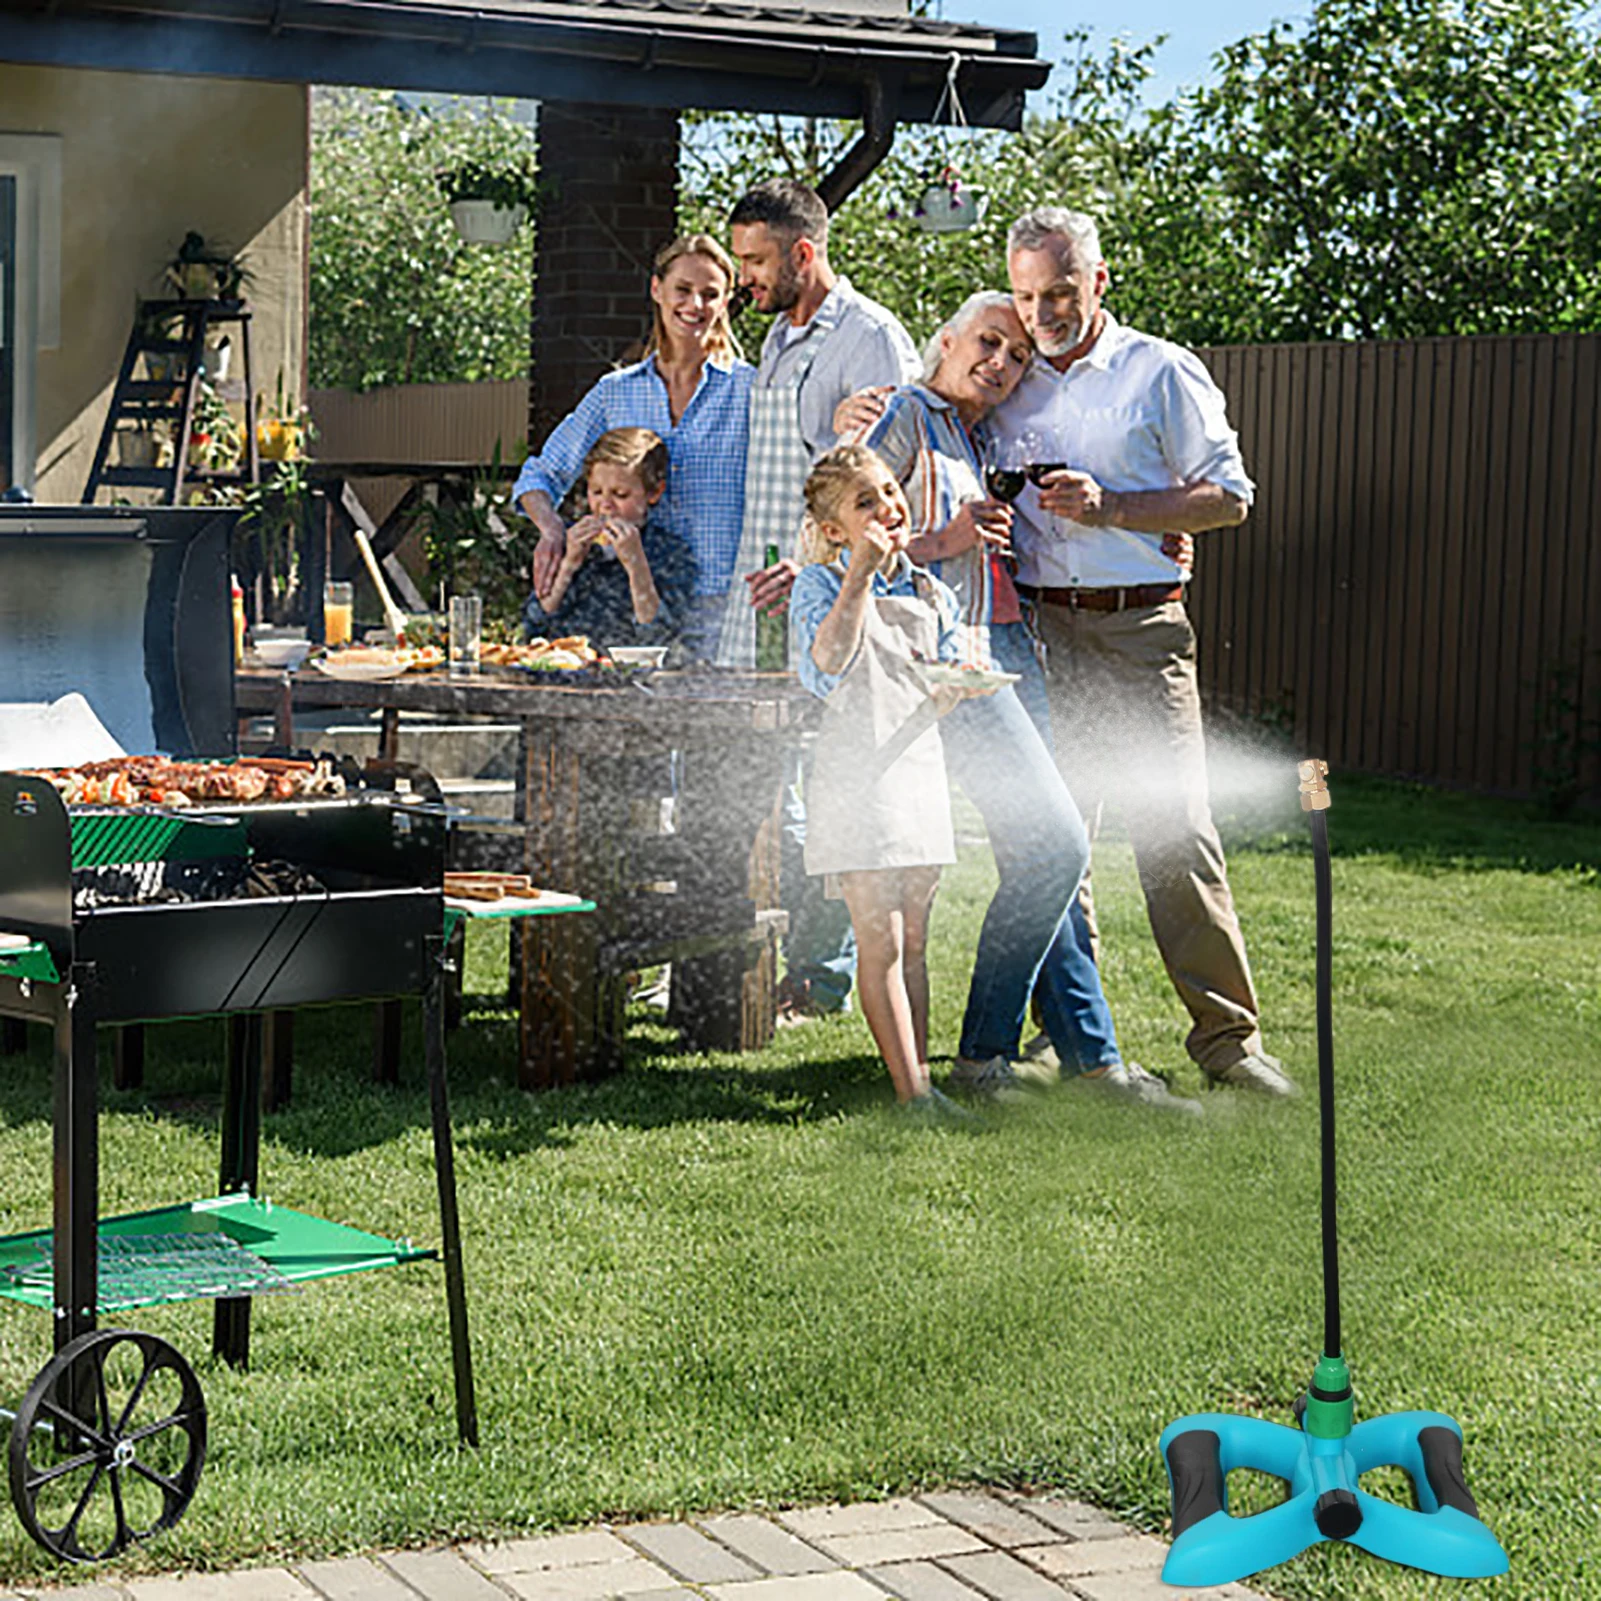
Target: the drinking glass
(466, 634)
(1005, 468)
(1044, 453)
(338, 612)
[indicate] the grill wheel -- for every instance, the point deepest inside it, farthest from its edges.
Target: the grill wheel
(107, 1445)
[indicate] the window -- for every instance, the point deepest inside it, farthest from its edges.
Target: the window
(30, 289)
(8, 328)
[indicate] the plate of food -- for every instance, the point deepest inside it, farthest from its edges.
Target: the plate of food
(422, 658)
(361, 665)
(960, 675)
(568, 654)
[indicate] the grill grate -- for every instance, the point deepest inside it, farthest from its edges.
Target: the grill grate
(146, 1269)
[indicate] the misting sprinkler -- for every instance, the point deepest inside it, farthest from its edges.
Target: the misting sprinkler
(1324, 1457)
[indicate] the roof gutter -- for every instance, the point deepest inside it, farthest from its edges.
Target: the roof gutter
(465, 48)
(872, 145)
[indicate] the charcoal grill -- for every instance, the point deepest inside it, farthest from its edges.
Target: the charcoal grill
(131, 608)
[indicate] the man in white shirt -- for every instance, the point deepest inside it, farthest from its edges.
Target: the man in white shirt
(1128, 441)
(826, 341)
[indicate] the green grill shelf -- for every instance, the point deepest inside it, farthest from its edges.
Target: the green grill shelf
(232, 1245)
(31, 961)
(120, 837)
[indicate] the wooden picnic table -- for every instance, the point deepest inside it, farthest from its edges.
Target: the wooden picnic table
(592, 761)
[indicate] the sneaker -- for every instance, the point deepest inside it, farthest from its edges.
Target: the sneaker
(1128, 1081)
(1258, 1072)
(931, 1109)
(991, 1080)
(1039, 1049)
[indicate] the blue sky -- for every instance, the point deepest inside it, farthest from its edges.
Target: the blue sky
(1195, 29)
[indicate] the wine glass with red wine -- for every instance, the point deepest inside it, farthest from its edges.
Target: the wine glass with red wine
(1043, 453)
(1005, 469)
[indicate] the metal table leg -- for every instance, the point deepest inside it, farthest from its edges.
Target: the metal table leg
(77, 1159)
(240, 1166)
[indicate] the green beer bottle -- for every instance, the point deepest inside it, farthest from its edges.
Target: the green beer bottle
(772, 630)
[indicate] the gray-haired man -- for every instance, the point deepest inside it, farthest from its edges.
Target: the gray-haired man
(1129, 442)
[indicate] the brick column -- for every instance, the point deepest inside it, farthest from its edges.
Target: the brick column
(614, 201)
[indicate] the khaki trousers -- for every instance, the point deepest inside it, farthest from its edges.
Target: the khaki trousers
(1126, 710)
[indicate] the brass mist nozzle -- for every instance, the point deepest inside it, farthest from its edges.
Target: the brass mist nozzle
(1314, 785)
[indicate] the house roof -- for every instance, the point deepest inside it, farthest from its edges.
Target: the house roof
(702, 54)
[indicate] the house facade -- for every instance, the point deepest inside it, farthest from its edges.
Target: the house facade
(101, 176)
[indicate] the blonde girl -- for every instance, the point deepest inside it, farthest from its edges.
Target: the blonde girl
(867, 623)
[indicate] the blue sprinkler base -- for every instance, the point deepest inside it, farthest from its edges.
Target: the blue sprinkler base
(1443, 1536)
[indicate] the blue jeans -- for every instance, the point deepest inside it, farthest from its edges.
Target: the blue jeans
(820, 948)
(1012, 646)
(996, 754)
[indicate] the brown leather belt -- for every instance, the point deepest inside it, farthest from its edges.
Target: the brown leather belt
(1134, 596)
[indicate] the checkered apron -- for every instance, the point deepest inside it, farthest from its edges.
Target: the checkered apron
(776, 465)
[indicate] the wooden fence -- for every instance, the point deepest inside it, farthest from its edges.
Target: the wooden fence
(1418, 589)
(418, 423)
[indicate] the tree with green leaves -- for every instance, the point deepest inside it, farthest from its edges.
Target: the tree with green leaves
(1391, 169)
(396, 296)
(873, 238)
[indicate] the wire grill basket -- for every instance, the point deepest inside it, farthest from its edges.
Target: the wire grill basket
(149, 1269)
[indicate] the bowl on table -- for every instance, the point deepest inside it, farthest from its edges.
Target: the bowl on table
(278, 651)
(638, 655)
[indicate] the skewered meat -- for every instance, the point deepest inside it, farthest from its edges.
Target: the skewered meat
(161, 781)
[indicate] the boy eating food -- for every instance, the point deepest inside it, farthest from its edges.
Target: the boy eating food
(625, 577)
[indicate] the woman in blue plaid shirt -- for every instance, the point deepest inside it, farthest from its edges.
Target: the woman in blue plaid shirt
(693, 390)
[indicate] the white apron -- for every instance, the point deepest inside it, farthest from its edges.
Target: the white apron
(776, 464)
(878, 795)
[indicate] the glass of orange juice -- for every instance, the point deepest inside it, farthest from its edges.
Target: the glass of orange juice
(338, 612)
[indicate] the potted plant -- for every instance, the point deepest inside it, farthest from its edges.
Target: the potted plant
(282, 430)
(271, 534)
(947, 205)
(214, 443)
(205, 269)
(489, 203)
(160, 324)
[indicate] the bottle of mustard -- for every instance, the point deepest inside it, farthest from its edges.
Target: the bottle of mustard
(238, 623)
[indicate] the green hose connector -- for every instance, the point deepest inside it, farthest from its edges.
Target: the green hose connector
(1329, 1406)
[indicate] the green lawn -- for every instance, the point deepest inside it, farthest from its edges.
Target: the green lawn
(719, 1282)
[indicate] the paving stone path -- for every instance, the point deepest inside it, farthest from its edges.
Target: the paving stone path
(958, 1546)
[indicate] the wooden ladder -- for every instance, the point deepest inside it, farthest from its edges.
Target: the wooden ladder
(169, 339)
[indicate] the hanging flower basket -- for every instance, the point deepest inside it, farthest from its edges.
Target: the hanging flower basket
(949, 205)
(490, 202)
(487, 222)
